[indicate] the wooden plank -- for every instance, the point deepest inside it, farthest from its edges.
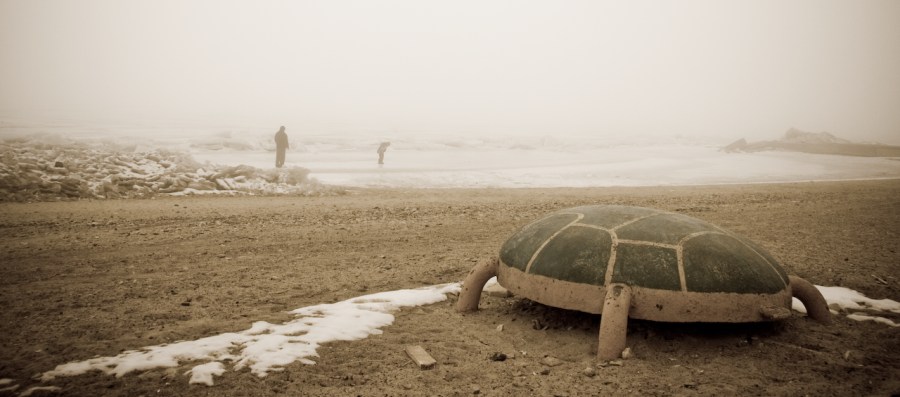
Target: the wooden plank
(420, 357)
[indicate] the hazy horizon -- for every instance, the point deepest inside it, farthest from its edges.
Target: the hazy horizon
(582, 68)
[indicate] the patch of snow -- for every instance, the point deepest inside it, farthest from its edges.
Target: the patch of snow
(8, 385)
(203, 373)
(840, 299)
(863, 317)
(264, 346)
(849, 299)
(35, 389)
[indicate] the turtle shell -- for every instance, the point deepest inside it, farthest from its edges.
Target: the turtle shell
(679, 268)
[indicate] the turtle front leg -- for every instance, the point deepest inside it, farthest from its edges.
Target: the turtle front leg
(474, 283)
(816, 306)
(614, 322)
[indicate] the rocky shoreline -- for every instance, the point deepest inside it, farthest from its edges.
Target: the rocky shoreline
(56, 168)
(795, 140)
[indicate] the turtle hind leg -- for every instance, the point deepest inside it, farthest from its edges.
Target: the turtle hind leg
(812, 299)
(614, 322)
(474, 283)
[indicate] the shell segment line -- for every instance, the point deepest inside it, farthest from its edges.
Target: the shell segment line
(547, 241)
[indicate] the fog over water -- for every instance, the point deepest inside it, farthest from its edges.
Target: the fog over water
(718, 69)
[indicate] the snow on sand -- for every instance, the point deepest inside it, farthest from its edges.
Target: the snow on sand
(842, 299)
(266, 347)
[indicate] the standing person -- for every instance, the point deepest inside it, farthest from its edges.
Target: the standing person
(281, 145)
(381, 149)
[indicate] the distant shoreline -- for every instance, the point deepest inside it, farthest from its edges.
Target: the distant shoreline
(47, 168)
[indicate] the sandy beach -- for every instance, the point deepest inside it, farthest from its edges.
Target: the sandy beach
(96, 277)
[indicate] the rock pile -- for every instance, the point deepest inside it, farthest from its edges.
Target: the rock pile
(53, 168)
(795, 140)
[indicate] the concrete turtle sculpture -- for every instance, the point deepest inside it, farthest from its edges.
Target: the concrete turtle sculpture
(622, 262)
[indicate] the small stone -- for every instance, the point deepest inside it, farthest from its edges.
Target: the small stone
(617, 363)
(847, 355)
(475, 389)
(590, 372)
(551, 361)
(500, 328)
(497, 356)
(545, 371)
(626, 354)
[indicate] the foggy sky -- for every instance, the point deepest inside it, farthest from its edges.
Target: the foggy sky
(717, 68)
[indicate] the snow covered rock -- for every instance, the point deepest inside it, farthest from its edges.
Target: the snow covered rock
(44, 168)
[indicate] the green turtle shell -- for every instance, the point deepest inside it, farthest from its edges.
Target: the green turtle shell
(661, 255)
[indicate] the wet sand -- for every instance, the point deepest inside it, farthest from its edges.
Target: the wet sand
(88, 278)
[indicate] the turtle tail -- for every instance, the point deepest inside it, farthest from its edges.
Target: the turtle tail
(812, 299)
(474, 283)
